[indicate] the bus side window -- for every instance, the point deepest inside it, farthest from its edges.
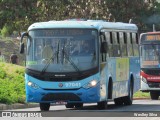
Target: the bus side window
(129, 44)
(103, 55)
(116, 46)
(38, 49)
(135, 44)
(109, 41)
(123, 44)
(29, 50)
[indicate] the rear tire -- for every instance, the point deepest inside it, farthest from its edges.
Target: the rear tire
(102, 105)
(118, 101)
(44, 106)
(129, 99)
(154, 95)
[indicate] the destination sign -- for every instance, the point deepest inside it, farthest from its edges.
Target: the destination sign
(62, 32)
(152, 37)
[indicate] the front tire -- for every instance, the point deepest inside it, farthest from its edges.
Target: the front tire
(44, 106)
(78, 105)
(69, 105)
(102, 105)
(154, 95)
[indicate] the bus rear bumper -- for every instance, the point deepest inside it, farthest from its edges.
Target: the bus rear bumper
(82, 95)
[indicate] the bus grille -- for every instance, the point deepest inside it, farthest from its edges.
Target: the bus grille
(153, 85)
(61, 97)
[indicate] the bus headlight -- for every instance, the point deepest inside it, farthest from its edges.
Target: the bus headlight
(143, 79)
(90, 84)
(93, 83)
(33, 85)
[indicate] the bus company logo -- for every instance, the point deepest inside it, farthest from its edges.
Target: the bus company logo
(60, 85)
(6, 114)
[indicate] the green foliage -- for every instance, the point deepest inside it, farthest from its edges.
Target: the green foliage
(11, 91)
(12, 87)
(20, 14)
(2, 73)
(6, 30)
(140, 94)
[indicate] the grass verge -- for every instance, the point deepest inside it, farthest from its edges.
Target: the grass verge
(140, 94)
(12, 89)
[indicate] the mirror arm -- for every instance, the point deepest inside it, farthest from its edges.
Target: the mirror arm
(22, 36)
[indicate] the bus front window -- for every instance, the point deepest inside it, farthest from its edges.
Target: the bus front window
(63, 50)
(150, 56)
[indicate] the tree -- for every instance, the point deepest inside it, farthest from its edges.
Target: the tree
(19, 14)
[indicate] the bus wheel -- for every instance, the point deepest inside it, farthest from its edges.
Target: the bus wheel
(154, 95)
(44, 106)
(118, 101)
(129, 99)
(102, 105)
(69, 105)
(78, 105)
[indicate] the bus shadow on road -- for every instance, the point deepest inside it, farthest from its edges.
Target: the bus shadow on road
(94, 107)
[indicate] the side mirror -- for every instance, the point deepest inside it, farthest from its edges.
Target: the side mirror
(21, 48)
(21, 43)
(104, 47)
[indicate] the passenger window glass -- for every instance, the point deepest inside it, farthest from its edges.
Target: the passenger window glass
(129, 44)
(135, 45)
(116, 47)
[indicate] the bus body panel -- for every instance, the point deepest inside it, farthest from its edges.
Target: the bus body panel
(118, 69)
(134, 70)
(103, 81)
(122, 77)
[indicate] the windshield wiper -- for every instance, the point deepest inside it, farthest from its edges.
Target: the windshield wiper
(48, 63)
(50, 60)
(68, 58)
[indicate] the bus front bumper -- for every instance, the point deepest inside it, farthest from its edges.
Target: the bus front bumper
(146, 88)
(81, 95)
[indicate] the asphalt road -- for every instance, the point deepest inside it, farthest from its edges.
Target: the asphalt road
(140, 110)
(138, 105)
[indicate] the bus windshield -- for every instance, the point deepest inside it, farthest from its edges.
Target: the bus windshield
(62, 50)
(150, 56)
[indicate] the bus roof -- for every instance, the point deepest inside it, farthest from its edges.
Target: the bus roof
(94, 24)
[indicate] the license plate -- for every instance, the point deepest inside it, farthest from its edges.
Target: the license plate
(61, 103)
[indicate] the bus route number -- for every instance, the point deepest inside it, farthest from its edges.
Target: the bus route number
(70, 84)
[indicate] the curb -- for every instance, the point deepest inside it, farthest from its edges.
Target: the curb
(141, 98)
(17, 106)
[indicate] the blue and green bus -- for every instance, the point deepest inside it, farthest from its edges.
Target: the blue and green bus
(77, 62)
